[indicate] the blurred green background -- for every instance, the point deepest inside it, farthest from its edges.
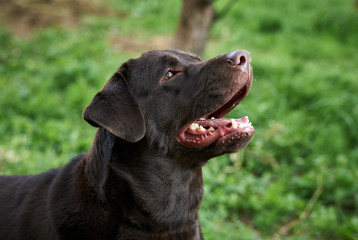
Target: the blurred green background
(297, 179)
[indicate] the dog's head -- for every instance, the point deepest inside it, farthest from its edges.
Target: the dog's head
(177, 103)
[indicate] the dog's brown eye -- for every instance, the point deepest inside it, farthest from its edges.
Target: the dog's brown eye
(169, 75)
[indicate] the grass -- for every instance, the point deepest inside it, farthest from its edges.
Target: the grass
(298, 177)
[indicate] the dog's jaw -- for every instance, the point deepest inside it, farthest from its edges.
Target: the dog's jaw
(213, 129)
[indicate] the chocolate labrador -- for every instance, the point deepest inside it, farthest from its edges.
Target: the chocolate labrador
(159, 120)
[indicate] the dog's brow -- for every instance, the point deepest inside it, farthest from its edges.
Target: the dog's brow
(195, 57)
(171, 60)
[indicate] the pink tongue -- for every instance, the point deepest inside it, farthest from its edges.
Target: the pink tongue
(204, 138)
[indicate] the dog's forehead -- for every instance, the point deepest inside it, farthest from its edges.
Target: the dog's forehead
(169, 57)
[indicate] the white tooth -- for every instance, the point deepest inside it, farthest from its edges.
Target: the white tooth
(194, 126)
(202, 118)
(233, 123)
(211, 129)
(201, 128)
(246, 125)
(212, 118)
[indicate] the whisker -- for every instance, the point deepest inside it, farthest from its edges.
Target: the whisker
(197, 101)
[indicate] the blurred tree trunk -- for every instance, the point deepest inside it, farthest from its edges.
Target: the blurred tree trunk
(196, 18)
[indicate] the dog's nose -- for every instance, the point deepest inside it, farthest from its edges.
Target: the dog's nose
(240, 59)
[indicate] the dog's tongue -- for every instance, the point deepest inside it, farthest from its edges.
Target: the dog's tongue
(204, 132)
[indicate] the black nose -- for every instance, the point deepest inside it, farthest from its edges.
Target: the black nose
(240, 59)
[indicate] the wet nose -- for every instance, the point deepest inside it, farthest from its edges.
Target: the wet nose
(240, 59)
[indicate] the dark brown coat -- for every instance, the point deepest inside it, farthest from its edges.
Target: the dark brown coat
(142, 177)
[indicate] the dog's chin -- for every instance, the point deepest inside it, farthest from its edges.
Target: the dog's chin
(231, 144)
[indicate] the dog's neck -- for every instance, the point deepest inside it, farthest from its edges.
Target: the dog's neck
(164, 195)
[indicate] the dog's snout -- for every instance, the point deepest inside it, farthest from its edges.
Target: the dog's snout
(239, 58)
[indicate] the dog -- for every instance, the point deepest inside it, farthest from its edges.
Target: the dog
(159, 119)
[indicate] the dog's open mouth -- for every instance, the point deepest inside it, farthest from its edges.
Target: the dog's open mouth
(213, 128)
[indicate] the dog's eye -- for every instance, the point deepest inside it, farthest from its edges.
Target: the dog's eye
(169, 75)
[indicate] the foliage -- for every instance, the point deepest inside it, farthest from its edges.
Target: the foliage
(298, 177)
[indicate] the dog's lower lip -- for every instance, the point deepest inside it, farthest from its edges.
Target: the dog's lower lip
(204, 132)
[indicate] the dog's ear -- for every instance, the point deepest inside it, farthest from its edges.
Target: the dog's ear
(115, 108)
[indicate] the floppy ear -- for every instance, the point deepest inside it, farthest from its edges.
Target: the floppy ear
(115, 109)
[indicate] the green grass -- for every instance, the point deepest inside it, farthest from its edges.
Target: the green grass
(298, 178)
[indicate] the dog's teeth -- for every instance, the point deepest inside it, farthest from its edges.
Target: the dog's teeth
(234, 123)
(211, 129)
(212, 118)
(246, 125)
(201, 128)
(202, 118)
(194, 126)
